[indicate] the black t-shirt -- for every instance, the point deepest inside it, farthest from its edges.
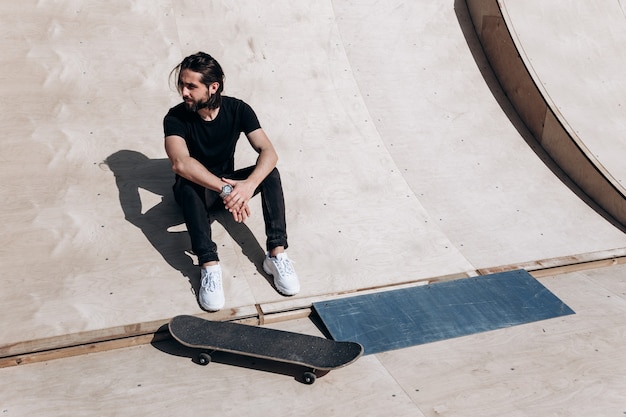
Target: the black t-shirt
(213, 142)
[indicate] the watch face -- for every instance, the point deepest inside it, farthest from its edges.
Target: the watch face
(227, 189)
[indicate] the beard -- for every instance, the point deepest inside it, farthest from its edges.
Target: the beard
(194, 106)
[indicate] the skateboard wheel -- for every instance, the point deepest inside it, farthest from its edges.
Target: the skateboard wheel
(309, 378)
(204, 358)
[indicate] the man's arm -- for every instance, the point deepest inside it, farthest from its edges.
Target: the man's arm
(265, 163)
(188, 167)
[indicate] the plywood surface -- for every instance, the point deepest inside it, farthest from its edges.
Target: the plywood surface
(566, 366)
(93, 239)
(580, 69)
(387, 181)
(162, 380)
(455, 139)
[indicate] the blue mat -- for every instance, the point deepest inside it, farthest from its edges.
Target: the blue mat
(413, 316)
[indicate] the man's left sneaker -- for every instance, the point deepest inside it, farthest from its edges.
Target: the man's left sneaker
(285, 277)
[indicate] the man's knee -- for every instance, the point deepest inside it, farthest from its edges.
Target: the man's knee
(274, 176)
(184, 190)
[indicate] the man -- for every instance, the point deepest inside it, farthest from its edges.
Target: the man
(200, 138)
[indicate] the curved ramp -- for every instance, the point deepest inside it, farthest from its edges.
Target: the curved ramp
(399, 163)
(561, 64)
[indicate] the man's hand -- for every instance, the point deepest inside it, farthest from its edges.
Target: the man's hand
(237, 201)
(242, 214)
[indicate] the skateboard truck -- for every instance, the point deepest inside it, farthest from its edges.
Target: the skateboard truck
(205, 358)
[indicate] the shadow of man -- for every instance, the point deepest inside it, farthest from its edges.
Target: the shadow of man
(161, 223)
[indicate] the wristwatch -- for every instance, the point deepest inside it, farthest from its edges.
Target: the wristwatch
(226, 190)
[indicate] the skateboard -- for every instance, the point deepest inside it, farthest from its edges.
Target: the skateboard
(312, 352)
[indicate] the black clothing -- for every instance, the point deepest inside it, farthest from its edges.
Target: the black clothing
(213, 142)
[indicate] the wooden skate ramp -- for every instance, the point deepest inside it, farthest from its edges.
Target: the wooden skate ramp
(399, 163)
(403, 162)
(566, 82)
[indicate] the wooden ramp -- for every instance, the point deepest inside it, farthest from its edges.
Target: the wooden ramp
(567, 366)
(402, 161)
(565, 81)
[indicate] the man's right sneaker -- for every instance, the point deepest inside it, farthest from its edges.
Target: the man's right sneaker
(211, 296)
(285, 277)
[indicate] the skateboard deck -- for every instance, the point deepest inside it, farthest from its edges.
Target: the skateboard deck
(315, 353)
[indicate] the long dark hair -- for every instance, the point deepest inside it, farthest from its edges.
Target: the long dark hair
(210, 70)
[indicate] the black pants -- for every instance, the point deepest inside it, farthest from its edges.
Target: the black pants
(196, 201)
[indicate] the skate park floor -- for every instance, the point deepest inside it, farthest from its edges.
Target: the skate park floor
(403, 164)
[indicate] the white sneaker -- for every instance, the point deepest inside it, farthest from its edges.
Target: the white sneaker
(285, 277)
(211, 296)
